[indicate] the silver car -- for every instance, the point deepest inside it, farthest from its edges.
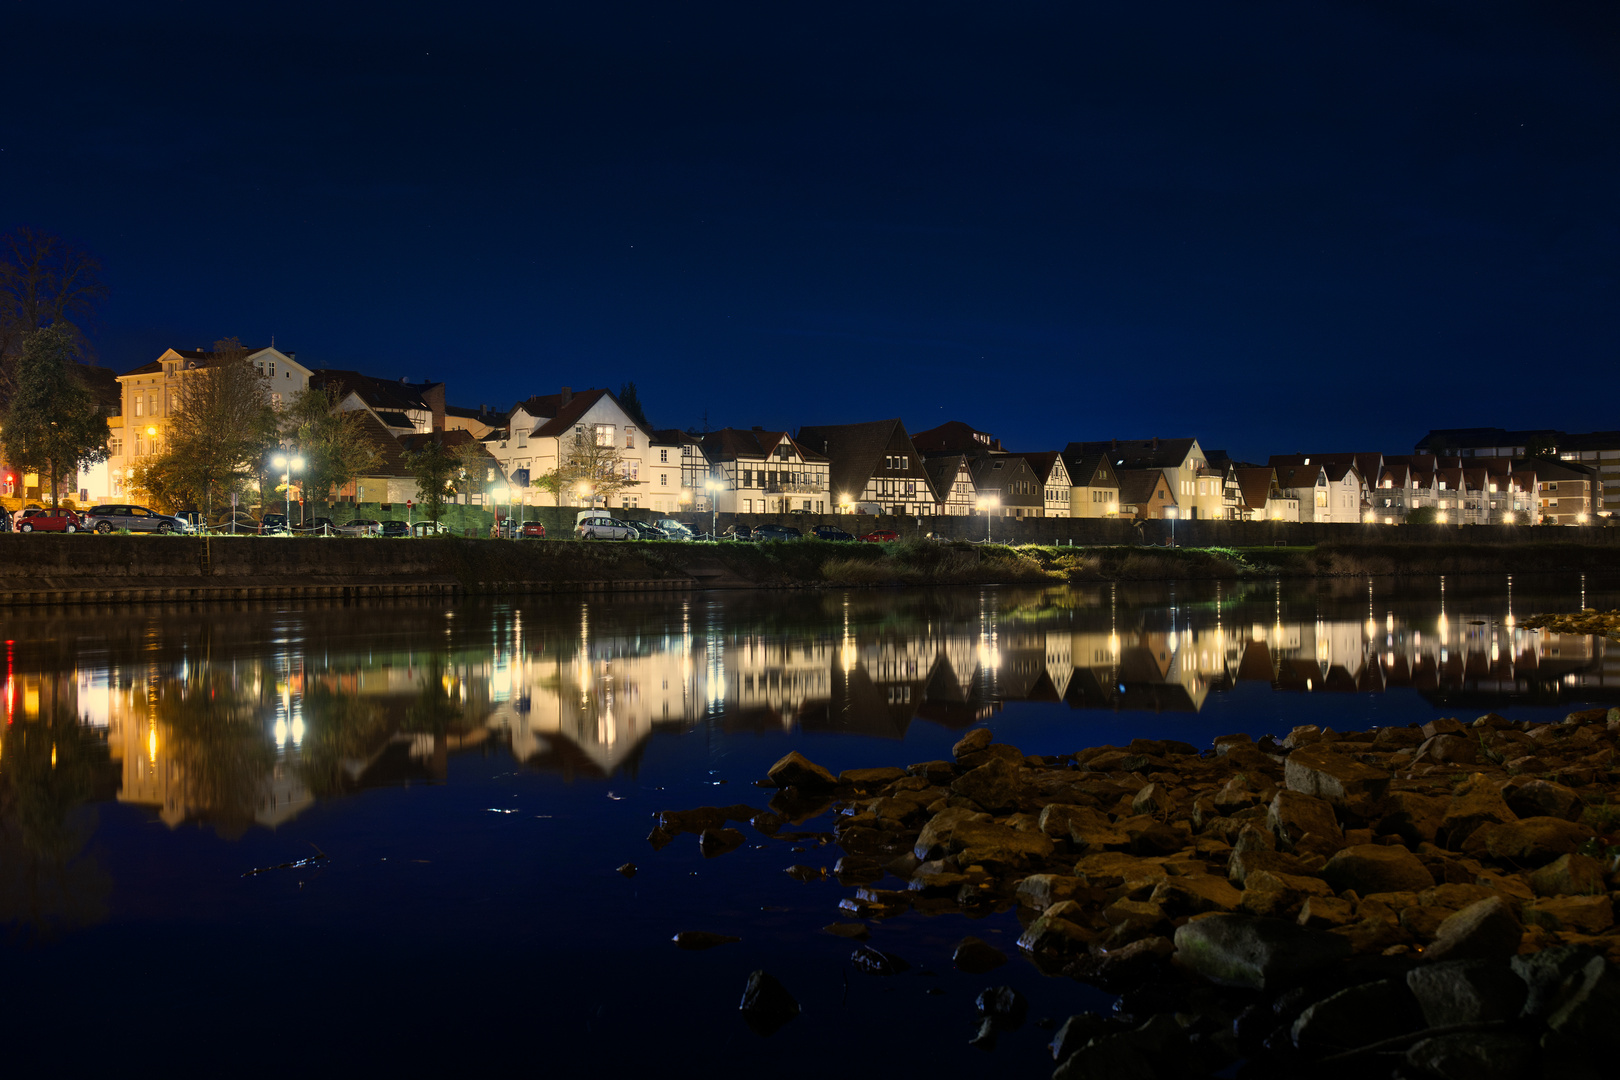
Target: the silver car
(604, 528)
(360, 527)
(106, 519)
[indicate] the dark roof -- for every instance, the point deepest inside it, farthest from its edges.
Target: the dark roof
(855, 450)
(1255, 483)
(676, 437)
(1138, 453)
(995, 471)
(395, 419)
(1592, 440)
(1336, 470)
(1084, 465)
(483, 413)
(389, 460)
(1468, 438)
(954, 435)
(1298, 476)
(1136, 486)
(201, 358)
(103, 386)
(1041, 464)
(942, 470)
(559, 416)
(729, 444)
(380, 394)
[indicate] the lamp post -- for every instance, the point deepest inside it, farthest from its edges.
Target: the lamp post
(289, 465)
(713, 487)
(498, 496)
(587, 492)
(987, 504)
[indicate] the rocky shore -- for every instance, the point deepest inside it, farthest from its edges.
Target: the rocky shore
(1430, 901)
(1588, 621)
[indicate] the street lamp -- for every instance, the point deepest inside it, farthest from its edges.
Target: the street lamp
(288, 465)
(586, 491)
(713, 487)
(498, 496)
(987, 504)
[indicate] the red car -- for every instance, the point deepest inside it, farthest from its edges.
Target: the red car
(58, 520)
(881, 536)
(534, 529)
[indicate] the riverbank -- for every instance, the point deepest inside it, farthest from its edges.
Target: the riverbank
(1421, 901)
(39, 568)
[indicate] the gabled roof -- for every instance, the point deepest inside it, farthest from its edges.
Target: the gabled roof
(380, 395)
(201, 358)
(1300, 476)
(676, 437)
(559, 416)
(1468, 438)
(954, 435)
(855, 450)
(1042, 464)
(732, 444)
(994, 471)
(389, 460)
(943, 470)
(1085, 465)
(1256, 484)
(1139, 453)
(1338, 470)
(1136, 487)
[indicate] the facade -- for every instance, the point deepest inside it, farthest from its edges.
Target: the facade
(874, 468)
(952, 478)
(150, 392)
(1007, 486)
(1569, 493)
(1598, 450)
(1094, 489)
(540, 430)
(766, 472)
(403, 408)
(1180, 459)
(681, 453)
(1146, 494)
(1264, 498)
(1053, 476)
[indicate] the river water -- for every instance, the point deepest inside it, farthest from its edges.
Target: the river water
(462, 782)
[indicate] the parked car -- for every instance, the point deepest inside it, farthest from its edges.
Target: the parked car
(317, 526)
(881, 536)
(61, 519)
(5, 522)
(738, 532)
(106, 519)
(776, 532)
(394, 528)
(431, 528)
(360, 527)
(533, 530)
(604, 528)
(830, 532)
(273, 525)
(674, 530)
(27, 511)
(645, 531)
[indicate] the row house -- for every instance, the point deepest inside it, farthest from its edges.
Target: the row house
(1263, 497)
(1599, 450)
(540, 432)
(1181, 460)
(874, 468)
(1094, 488)
(1146, 494)
(683, 454)
(952, 478)
(1570, 493)
(766, 472)
(403, 407)
(1008, 485)
(1053, 476)
(150, 394)
(1326, 493)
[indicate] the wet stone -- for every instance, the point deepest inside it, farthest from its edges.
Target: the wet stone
(975, 957)
(796, 770)
(852, 931)
(800, 872)
(1484, 930)
(1238, 950)
(1466, 992)
(1006, 1006)
(715, 842)
(766, 1004)
(873, 962)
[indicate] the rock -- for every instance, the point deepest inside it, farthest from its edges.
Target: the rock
(1152, 799)
(868, 778)
(857, 870)
(796, 770)
(1569, 875)
(1442, 726)
(1117, 1057)
(1325, 912)
(1279, 896)
(1356, 1016)
(659, 837)
(713, 842)
(1236, 795)
(697, 940)
(1414, 817)
(1134, 917)
(1243, 863)
(975, 957)
(873, 962)
(1293, 814)
(1579, 914)
(628, 869)
(994, 845)
(995, 785)
(1150, 836)
(1588, 1002)
(1541, 798)
(766, 1004)
(852, 931)
(1484, 930)
(1484, 1055)
(796, 805)
(1239, 950)
(1466, 992)
(1449, 750)
(1528, 842)
(984, 1036)
(800, 872)
(1376, 868)
(1343, 781)
(1077, 1031)
(1194, 894)
(1006, 1006)
(766, 822)
(1128, 966)
(934, 841)
(972, 742)
(1477, 803)
(1056, 930)
(1543, 974)
(1110, 869)
(1041, 891)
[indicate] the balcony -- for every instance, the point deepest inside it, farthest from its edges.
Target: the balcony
(792, 489)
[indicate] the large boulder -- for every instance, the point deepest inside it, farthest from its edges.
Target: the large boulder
(1356, 1016)
(1041, 891)
(1242, 951)
(796, 770)
(1243, 862)
(1574, 914)
(1476, 803)
(934, 841)
(1377, 868)
(1478, 1055)
(1542, 798)
(1484, 930)
(1414, 817)
(1588, 1002)
(1528, 842)
(1293, 814)
(994, 844)
(1448, 749)
(1543, 974)
(1343, 781)
(1280, 896)
(1466, 992)
(1195, 894)
(995, 785)
(1569, 875)
(971, 743)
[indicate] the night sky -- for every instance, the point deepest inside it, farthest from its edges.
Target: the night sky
(1276, 226)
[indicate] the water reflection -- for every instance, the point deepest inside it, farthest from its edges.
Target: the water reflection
(243, 718)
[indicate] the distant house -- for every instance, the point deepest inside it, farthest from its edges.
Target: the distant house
(681, 454)
(1263, 498)
(480, 421)
(390, 482)
(874, 468)
(1094, 490)
(1008, 485)
(1145, 494)
(1569, 492)
(956, 436)
(540, 432)
(952, 480)
(1053, 477)
(765, 472)
(1181, 460)
(404, 408)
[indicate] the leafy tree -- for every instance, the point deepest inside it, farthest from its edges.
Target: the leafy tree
(162, 482)
(331, 441)
(1422, 515)
(630, 402)
(52, 424)
(588, 462)
(436, 470)
(223, 413)
(44, 281)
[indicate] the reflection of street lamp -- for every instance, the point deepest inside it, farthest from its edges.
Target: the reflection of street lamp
(987, 504)
(289, 466)
(713, 486)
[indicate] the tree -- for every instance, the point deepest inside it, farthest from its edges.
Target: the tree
(52, 424)
(222, 415)
(435, 469)
(630, 402)
(1422, 515)
(44, 281)
(1541, 446)
(588, 462)
(331, 441)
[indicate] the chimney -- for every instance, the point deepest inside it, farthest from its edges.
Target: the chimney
(434, 397)
(566, 396)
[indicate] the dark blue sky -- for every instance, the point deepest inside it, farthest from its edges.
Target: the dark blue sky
(1276, 226)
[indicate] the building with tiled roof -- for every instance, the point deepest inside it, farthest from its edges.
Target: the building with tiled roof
(765, 472)
(401, 406)
(1181, 458)
(1146, 494)
(1053, 477)
(951, 477)
(875, 469)
(1263, 498)
(1094, 489)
